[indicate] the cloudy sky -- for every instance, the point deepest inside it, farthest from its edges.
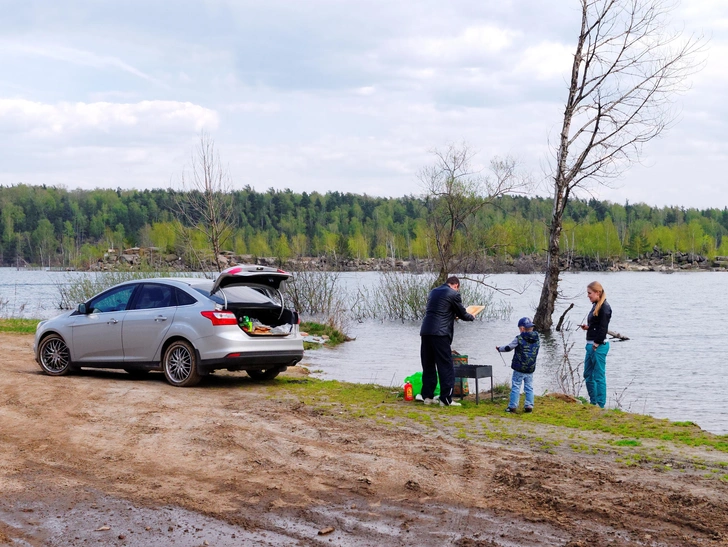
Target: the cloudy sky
(348, 95)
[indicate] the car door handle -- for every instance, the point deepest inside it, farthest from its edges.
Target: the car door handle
(160, 318)
(112, 321)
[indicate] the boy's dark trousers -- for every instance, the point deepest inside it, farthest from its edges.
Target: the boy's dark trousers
(436, 357)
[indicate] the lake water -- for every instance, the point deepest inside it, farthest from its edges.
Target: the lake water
(673, 366)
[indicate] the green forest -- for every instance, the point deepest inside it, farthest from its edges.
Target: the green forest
(72, 228)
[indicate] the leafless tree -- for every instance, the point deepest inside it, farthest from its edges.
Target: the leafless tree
(455, 192)
(628, 67)
(205, 204)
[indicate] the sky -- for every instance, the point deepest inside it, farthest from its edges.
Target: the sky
(323, 95)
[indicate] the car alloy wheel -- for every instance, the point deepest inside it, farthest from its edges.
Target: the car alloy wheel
(180, 364)
(54, 357)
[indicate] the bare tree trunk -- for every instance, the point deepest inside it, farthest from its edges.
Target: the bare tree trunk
(627, 67)
(543, 317)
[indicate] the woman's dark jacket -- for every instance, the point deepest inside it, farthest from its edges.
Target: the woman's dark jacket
(598, 324)
(443, 305)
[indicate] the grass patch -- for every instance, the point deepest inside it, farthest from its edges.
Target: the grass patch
(488, 422)
(627, 442)
(335, 336)
(21, 326)
(501, 390)
(311, 345)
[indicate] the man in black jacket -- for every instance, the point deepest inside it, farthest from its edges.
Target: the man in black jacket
(443, 306)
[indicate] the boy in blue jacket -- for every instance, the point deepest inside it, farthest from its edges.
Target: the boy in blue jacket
(526, 346)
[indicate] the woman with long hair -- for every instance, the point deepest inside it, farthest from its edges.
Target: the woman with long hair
(597, 347)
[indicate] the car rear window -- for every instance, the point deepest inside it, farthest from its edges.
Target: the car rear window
(184, 299)
(242, 295)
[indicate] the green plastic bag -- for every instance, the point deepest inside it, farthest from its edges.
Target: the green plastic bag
(416, 381)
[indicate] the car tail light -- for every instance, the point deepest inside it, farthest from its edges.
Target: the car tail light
(219, 318)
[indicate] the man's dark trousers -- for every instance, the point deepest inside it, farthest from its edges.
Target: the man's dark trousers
(436, 357)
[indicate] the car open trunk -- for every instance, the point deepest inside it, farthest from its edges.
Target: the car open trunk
(263, 320)
(252, 293)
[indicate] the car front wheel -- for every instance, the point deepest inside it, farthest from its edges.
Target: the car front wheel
(267, 374)
(54, 357)
(180, 364)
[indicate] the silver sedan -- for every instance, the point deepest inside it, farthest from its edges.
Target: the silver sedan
(183, 327)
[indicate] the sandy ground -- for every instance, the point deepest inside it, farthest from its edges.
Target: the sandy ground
(99, 458)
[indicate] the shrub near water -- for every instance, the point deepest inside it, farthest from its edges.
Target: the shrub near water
(401, 296)
(336, 337)
(75, 289)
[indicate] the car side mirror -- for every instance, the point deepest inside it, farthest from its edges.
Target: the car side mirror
(82, 309)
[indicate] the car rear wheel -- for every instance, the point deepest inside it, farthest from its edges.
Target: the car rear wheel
(180, 364)
(53, 355)
(267, 374)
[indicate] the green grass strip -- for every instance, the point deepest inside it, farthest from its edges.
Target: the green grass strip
(21, 326)
(374, 401)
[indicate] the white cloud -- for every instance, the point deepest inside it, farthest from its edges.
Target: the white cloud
(45, 120)
(67, 54)
(259, 107)
(470, 46)
(320, 95)
(546, 60)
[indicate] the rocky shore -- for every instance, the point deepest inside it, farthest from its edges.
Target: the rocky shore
(655, 261)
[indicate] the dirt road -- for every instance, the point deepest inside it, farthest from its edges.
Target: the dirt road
(102, 459)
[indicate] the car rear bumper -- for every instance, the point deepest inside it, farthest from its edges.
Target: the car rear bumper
(252, 360)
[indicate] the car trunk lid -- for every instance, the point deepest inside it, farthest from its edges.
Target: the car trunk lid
(250, 275)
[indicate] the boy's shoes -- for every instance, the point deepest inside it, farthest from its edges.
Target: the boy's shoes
(453, 403)
(527, 409)
(419, 398)
(431, 401)
(511, 409)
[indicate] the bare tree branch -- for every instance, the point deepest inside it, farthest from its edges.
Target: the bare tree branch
(205, 204)
(454, 192)
(629, 66)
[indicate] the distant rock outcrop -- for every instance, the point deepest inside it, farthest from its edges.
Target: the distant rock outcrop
(656, 261)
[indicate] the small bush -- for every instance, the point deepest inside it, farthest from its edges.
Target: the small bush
(336, 337)
(318, 293)
(400, 296)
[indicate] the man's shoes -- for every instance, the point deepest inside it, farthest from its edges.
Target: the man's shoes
(439, 401)
(419, 398)
(511, 409)
(527, 409)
